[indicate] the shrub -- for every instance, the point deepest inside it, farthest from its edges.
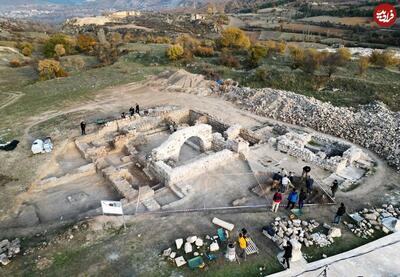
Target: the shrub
(227, 59)
(50, 44)
(115, 38)
(106, 54)
(262, 74)
(49, 69)
(363, 64)
(85, 43)
(15, 63)
(382, 59)
(297, 56)
(234, 38)
(280, 47)
(256, 53)
(59, 50)
(162, 40)
(343, 55)
(187, 41)
(312, 60)
(175, 52)
(270, 46)
(26, 48)
(204, 51)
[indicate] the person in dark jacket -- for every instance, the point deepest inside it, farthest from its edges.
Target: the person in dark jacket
(276, 200)
(83, 127)
(292, 199)
(137, 108)
(302, 198)
(340, 212)
(288, 254)
(276, 179)
(131, 111)
(334, 188)
(309, 184)
(306, 172)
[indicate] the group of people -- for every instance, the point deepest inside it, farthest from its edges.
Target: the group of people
(132, 111)
(281, 181)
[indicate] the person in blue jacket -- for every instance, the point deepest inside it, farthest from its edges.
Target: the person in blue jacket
(292, 199)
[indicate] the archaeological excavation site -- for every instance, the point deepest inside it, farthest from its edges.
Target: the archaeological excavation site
(174, 159)
(202, 174)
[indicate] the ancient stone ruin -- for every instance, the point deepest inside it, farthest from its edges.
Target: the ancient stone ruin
(168, 158)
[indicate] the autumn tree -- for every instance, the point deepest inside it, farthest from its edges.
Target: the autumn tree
(312, 60)
(49, 46)
(331, 62)
(188, 42)
(270, 46)
(49, 69)
(234, 38)
(256, 53)
(363, 64)
(280, 47)
(297, 56)
(115, 38)
(59, 50)
(175, 52)
(343, 55)
(85, 43)
(382, 59)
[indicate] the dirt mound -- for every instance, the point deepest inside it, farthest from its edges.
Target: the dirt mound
(188, 82)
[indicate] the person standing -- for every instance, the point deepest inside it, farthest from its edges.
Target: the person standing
(137, 108)
(291, 177)
(83, 127)
(276, 179)
(306, 172)
(292, 199)
(288, 254)
(131, 111)
(334, 188)
(276, 201)
(302, 198)
(309, 184)
(242, 246)
(340, 212)
(284, 183)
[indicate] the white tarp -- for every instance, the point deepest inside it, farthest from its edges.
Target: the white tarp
(111, 207)
(37, 146)
(40, 146)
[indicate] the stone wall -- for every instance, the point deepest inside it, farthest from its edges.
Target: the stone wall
(179, 174)
(172, 147)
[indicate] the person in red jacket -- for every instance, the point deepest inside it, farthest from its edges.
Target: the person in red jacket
(276, 200)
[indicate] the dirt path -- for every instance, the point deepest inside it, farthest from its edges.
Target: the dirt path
(10, 99)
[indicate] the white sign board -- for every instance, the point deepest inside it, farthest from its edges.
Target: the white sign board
(111, 207)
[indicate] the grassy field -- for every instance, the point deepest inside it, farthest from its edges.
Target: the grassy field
(39, 97)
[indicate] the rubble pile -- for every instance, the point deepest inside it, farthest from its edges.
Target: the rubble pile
(8, 250)
(300, 230)
(384, 219)
(372, 126)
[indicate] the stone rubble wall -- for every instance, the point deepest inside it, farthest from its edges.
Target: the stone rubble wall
(294, 149)
(372, 126)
